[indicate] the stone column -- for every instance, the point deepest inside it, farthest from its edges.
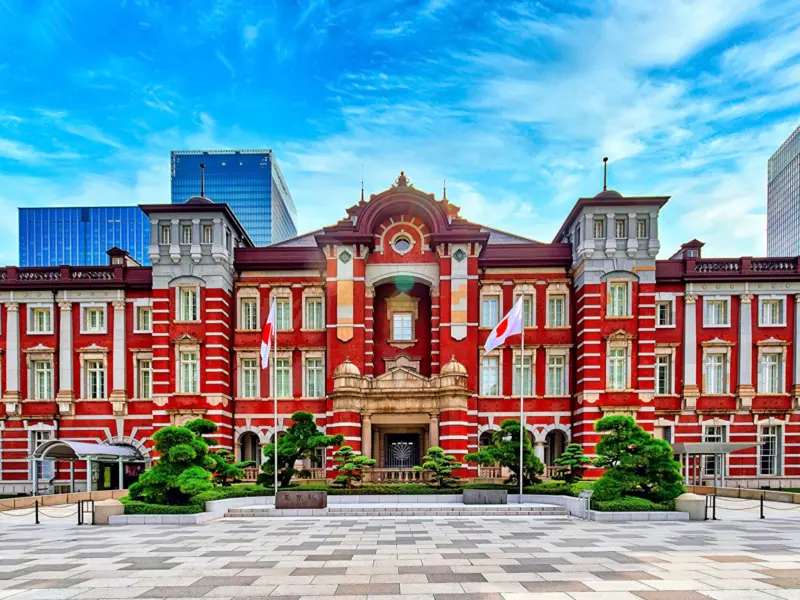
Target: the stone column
(196, 250)
(745, 390)
(366, 436)
(433, 432)
(174, 241)
(153, 251)
(65, 372)
(12, 394)
(538, 450)
(633, 241)
(611, 235)
(119, 395)
(690, 390)
(653, 244)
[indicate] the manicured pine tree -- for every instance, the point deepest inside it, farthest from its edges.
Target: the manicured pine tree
(350, 465)
(440, 466)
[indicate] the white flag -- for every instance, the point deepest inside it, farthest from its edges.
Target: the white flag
(266, 336)
(510, 325)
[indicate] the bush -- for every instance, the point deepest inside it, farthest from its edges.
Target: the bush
(633, 504)
(551, 489)
(572, 464)
(234, 491)
(504, 451)
(350, 465)
(132, 507)
(440, 466)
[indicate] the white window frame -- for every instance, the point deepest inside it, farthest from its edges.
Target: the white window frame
(179, 314)
(610, 311)
(243, 392)
(557, 290)
(490, 293)
(138, 359)
(561, 352)
(599, 228)
(313, 295)
(31, 320)
(619, 341)
(47, 393)
(165, 235)
(762, 301)
(669, 352)
(641, 229)
(708, 302)
(398, 333)
(86, 307)
(315, 356)
(184, 230)
(620, 224)
(207, 240)
(516, 383)
(88, 370)
(279, 295)
(181, 354)
(43, 433)
(284, 394)
(40, 354)
(717, 349)
(716, 460)
(138, 308)
(779, 447)
(771, 347)
(670, 313)
(529, 291)
(498, 370)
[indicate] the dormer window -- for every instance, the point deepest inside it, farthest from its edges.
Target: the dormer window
(691, 254)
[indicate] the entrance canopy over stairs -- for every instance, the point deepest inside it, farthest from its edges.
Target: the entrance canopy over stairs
(70, 451)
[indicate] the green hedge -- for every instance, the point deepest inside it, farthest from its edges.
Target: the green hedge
(389, 489)
(133, 507)
(234, 491)
(633, 504)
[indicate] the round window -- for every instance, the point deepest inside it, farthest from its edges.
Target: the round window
(402, 245)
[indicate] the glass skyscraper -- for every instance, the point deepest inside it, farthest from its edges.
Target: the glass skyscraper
(783, 199)
(50, 237)
(249, 181)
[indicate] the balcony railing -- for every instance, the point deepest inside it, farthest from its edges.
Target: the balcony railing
(316, 474)
(117, 276)
(382, 475)
(491, 473)
(726, 268)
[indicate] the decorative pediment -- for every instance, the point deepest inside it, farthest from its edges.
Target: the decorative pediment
(773, 342)
(402, 361)
(402, 377)
(39, 349)
(186, 339)
(402, 302)
(620, 335)
(93, 348)
(717, 342)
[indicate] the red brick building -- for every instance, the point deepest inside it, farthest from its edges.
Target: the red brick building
(382, 319)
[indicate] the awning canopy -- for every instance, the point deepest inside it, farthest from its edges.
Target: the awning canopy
(710, 447)
(68, 450)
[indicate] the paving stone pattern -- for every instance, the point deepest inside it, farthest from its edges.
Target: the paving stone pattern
(410, 558)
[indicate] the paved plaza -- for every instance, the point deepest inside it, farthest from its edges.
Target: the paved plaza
(414, 558)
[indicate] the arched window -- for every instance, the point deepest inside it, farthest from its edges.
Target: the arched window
(555, 443)
(485, 439)
(249, 447)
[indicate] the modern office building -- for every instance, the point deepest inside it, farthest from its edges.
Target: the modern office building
(783, 198)
(81, 235)
(249, 181)
(381, 321)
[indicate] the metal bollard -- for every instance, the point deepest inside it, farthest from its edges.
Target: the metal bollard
(36, 510)
(714, 507)
(762, 506)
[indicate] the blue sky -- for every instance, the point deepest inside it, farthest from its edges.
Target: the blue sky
(514, 103)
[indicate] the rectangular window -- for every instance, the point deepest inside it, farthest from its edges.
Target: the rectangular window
(664, 313)
(94, 319)
(770, 459)
(95, 379)
(145, 378)
(283, 374)
(527, 309)
(490, 311)
(314, 317)
(557, 310)
(523, 375)
(188, 306)
(186, 234)
(401, 326)
(45, 469)
(144, 318)
(716, 312)
(166, 235)
(770, 375)
(315, 382)
(283, 314)
(250, 373)
(598, 230)
(556, 372)
(42, 380)
(713, 433)
(772, 312)
(490, 376)
(249, 313)
(663, 374)
(715, 373)
(208, 234)
(40, 320)
(618, 299)
(641, 229)
(189, 373)
(664, 432)
(619, 229)
(617, 369)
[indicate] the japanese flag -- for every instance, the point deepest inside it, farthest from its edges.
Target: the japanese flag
(510, 325)
(266, 336)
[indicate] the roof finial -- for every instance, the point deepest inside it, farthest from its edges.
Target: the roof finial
(444, 190)
(605, 170)
(202, 180)
(362, 183)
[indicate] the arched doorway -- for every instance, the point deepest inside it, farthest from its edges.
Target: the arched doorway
(250, 447)
(554, 444)
(485, 439)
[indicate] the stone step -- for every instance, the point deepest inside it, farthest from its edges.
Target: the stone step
(442, 510)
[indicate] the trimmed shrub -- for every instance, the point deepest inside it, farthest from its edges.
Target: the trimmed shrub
(133, 507)
(234, 491)
(504, 451)
(349, 464)
(440, 465)
(572, 464)
(633, 504)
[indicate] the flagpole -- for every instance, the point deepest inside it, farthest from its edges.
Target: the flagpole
(522, 403)
(275, 403)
